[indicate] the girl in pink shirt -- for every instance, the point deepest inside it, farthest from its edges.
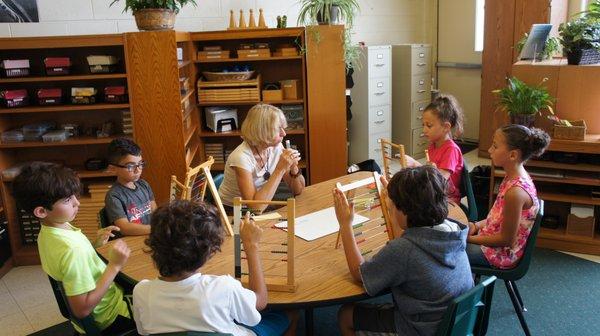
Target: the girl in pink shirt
(499, 240)
(442, 120)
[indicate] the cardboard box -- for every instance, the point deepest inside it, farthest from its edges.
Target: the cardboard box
(272, 95)
(580, 226)
(292, 89)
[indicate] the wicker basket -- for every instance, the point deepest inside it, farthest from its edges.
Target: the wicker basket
(575, 132)
(583, 57)
(154, 19)
(227, 76)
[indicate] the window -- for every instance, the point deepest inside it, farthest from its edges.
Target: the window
(479, 24)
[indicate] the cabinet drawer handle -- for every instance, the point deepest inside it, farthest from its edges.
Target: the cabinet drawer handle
(379, 64)
(421, 82)
(421, 64)
(421, 108)
(420, 118)
(421, 55)
(380, 112)
(381, 93)
(421, 135)
(380, 121)
(379, 84)
(420, 91)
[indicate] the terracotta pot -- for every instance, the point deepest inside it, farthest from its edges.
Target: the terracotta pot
(154, 19)
(523, 119)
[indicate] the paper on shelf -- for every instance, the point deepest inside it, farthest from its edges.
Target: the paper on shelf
(318, 224)
(582, 210)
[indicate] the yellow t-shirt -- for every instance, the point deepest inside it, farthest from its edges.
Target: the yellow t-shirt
(69, 257)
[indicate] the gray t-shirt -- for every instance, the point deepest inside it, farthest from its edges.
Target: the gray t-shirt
(133, 204)
(425, 268)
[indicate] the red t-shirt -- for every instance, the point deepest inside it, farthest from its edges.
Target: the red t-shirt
(449, 157)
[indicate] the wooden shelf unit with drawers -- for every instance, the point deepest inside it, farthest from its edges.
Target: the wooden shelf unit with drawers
(75, 150)
(565, 183)
(323, 92)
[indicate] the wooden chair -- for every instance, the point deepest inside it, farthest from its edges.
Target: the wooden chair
(393, 157)
(194, 186)
(510, 276)
(366, 195)
(87, 324)
(465, 314)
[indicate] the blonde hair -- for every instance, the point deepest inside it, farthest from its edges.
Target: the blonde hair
(262, 124)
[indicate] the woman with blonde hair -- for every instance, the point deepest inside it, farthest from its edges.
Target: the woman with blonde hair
(256, 167)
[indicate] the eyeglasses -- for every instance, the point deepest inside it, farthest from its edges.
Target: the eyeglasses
(132, 166)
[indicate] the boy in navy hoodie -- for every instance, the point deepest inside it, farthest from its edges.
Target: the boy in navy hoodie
(425, 268)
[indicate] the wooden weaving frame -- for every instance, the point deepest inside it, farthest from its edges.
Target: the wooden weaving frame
(387, 150)
(273, 284)
(187, 189)
(374, 179)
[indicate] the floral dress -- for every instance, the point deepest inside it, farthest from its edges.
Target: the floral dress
(507, 257)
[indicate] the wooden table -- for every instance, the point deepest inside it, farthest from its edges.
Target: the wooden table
(321, 271)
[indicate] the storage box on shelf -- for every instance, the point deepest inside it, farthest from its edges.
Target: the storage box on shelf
(311, 77)
(568, 176)
(51, 120)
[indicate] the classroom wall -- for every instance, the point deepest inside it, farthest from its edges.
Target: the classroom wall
(380, 21)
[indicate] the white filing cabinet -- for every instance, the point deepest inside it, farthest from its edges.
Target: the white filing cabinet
(371, 104)
(411, 79)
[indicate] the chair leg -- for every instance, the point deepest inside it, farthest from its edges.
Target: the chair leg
(514, 286)
(518, 307)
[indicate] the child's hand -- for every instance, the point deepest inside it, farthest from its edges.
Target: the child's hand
(118, 254)
(250, 233)
(344, 211)
(104, 234)
(472, 229)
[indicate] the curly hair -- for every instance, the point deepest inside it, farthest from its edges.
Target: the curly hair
(447, 109)
(43, 184)
(532, 142)
(420, 193)
(183, 236)
(121, 147)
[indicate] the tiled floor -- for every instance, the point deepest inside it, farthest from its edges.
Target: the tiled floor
(26, 302)
(28, 305)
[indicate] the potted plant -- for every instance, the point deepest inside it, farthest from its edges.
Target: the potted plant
(551, 46)
(580, 39)
(522, 102)
(154, 14)
(314, 12)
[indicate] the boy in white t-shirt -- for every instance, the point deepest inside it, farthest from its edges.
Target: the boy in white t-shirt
(183, 237)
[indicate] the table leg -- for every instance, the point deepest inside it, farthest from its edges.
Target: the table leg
(308, 321)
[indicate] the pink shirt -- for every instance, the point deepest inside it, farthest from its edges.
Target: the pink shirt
(507, 257)
(449, 157)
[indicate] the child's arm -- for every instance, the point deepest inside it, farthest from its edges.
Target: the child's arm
(153, 205)
(515, 200)
(345, 214)
(83, 304)
(250, 234)
(132, 229)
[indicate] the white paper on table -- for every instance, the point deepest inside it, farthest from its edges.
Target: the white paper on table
(318, 224)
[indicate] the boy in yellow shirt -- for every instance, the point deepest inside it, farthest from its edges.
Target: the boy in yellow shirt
(50, 191)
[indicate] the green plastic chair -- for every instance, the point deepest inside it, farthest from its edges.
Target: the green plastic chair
(466, 314)
(466, 189)
(510, 276)
(87, 323)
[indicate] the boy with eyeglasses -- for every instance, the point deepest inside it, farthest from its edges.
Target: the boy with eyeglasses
(130, 202)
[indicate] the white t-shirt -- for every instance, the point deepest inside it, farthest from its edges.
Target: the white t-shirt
(198, 303)
(243, 157)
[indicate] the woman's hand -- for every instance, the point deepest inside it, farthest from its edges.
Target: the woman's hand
(344, 211)
(288, 159)
(472, 229)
